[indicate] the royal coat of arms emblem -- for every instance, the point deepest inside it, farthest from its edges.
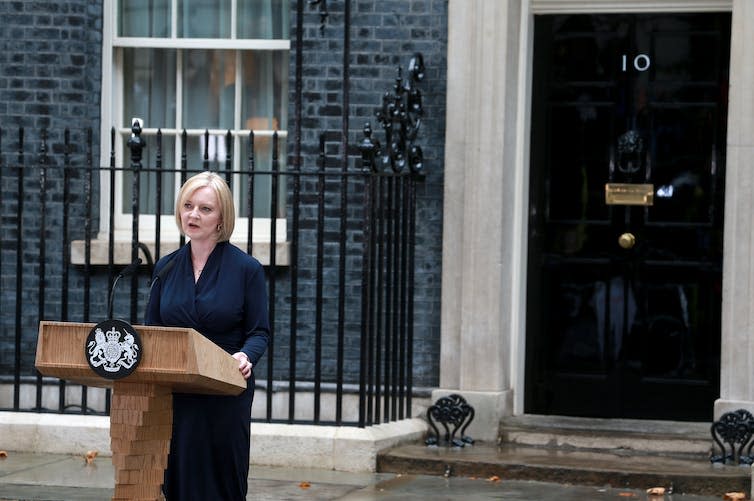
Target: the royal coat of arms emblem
(113, 349)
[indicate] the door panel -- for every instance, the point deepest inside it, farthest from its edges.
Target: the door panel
(623, 306)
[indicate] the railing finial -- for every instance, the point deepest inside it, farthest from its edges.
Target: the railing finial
(400, 117)
(136, 143)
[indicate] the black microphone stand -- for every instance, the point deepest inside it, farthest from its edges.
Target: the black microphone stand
(128, 270)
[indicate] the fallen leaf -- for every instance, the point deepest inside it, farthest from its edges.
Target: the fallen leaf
(626, 494)
(656, 491)
(494, 478)
(734, 496)
(3, 454)
(304, 485)
(89, 456)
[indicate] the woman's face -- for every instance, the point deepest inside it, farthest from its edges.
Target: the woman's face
(200, 215)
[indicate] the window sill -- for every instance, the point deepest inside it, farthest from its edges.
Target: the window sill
(122, 252)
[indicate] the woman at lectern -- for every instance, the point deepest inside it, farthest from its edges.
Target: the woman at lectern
(219, 290)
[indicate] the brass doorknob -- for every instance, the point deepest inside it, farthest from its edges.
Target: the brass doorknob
(627, 240)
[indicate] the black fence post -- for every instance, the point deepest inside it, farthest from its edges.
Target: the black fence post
(136, 145)
(43, 160)
(344, 301)
(19, 270)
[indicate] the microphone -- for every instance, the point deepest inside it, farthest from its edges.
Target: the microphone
(164, 271)
(128, 270)
(159, 277)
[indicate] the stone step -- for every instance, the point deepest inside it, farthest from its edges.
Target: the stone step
(578, 467)
(632, 436)
(619, 453)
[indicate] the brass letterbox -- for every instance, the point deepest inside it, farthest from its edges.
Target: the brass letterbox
(629, 194)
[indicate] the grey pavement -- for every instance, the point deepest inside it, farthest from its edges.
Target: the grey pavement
(52, 477)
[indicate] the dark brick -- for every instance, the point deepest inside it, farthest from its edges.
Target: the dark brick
(51, 78)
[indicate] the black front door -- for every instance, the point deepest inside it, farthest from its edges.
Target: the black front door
(626, 215)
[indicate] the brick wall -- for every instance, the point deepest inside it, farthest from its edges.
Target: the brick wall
(383, 36)
(50, 67)
(50, 78)
(50, 71)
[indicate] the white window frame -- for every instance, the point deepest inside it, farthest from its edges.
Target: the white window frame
(112, 113)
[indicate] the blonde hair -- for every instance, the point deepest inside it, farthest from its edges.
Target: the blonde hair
(224, 199)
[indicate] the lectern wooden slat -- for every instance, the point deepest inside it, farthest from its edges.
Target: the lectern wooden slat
(173, 359)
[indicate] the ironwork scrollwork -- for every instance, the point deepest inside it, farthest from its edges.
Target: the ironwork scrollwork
(400, 117)
(322, 12)
(735, 430)
(451, 411)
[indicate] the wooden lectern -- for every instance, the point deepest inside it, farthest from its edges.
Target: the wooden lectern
(141, 411)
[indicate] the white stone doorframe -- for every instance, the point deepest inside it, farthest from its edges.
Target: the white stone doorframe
(483, 332)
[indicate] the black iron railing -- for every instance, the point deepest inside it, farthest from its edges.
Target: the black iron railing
(341, 299)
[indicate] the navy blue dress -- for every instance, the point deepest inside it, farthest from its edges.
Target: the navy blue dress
(209, 448)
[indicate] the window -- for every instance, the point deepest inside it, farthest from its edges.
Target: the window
(217, 65)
